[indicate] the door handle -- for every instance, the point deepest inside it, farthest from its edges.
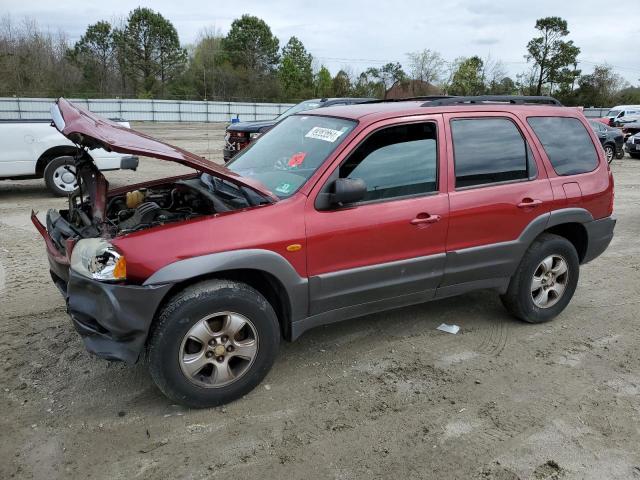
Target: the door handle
(425, 218)
(529, 203)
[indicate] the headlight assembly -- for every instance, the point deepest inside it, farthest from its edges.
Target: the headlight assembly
(98, 259)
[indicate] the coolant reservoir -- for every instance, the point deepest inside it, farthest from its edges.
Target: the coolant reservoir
(134, 198)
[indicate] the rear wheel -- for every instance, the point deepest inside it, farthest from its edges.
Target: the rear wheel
(610, 153)
(545, 280)
(60, 176)
(213, 343)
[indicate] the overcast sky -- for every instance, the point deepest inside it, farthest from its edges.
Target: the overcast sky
(359, 34)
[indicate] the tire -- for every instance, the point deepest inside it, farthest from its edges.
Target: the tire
(59, 176)
(610, 153)
(179, 345)
(620, 155)
(519, 299)
(635, 155)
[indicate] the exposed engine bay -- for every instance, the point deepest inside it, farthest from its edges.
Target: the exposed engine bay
(93, 213)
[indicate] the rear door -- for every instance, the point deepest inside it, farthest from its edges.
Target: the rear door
(391, 244)
(498, 186)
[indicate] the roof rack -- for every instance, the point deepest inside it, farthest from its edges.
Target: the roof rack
(482, 99)
(410, 99)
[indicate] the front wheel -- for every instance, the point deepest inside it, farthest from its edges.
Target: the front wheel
(213, 343)
(635, 155)
(545, 280)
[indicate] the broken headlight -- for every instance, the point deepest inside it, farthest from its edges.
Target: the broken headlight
(98, 259)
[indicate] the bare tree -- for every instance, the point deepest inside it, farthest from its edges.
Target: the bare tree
(427, 66)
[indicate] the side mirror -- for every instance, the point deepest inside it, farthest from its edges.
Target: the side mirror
(347, 190)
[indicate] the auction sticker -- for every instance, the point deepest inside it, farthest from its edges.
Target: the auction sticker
(326, 134)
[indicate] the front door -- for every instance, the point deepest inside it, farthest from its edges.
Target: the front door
(392, 243)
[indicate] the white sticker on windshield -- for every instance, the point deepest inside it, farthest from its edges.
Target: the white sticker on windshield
(326, 134)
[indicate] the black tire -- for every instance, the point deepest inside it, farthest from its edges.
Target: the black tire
(635, 155)
(518, 298)
(620, 155)
(185, 310)
(610, 153)
(52, 176)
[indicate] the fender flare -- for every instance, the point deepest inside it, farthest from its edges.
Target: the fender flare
(251, 259)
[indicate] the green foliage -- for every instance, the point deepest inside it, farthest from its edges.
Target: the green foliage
(551, 54)
(250, 45)
(95, 54)
(341, 84)
(597, 89)
(323, 83)
(151, 54)
(295, 72)
(467, 77)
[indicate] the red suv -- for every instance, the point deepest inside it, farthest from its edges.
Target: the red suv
(332, 214)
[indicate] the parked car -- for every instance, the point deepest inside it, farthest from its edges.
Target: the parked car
(336, 213)
(239, 135)
(622, 114)
(612, 140)
(32, 149)
(632, 145)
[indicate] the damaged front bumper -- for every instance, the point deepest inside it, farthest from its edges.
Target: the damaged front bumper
(112, 319)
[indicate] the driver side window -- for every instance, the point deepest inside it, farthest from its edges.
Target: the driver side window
(396, 162)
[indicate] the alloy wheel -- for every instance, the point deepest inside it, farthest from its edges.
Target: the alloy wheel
(218, 349)
(550, 280)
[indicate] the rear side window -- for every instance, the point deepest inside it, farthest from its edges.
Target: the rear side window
(396, 162)
(567, 143)
(489, 150)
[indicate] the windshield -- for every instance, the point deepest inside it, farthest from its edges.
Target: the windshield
(301, 107)
(288, 154)
(612, 113)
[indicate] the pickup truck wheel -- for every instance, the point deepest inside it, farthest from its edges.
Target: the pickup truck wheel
(544, 281)
(213, 343)
(60, 176)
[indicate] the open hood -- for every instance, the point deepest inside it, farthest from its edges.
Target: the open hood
(84, 128)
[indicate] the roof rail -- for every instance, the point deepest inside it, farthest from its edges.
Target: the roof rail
(481, 99)
(410, 99)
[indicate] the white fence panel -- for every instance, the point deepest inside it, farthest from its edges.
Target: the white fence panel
(147, 110)
(165, 110)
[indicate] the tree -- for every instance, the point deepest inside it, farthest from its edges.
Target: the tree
(426, 66)
(295, 73)
(151, 51)
(599, 88)
(389, 74)
(341, 84)
(550, 53)
(204, 69)
(323, 83)
(95, 54)
(467, 76)
(251, 45)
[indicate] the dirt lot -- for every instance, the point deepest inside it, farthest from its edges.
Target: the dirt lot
(386, 396)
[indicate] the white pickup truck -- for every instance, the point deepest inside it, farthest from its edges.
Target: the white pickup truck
(34, 149)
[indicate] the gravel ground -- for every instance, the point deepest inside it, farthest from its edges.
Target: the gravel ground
(385, 396)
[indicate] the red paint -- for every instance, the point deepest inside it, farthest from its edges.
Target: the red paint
(371, 233)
